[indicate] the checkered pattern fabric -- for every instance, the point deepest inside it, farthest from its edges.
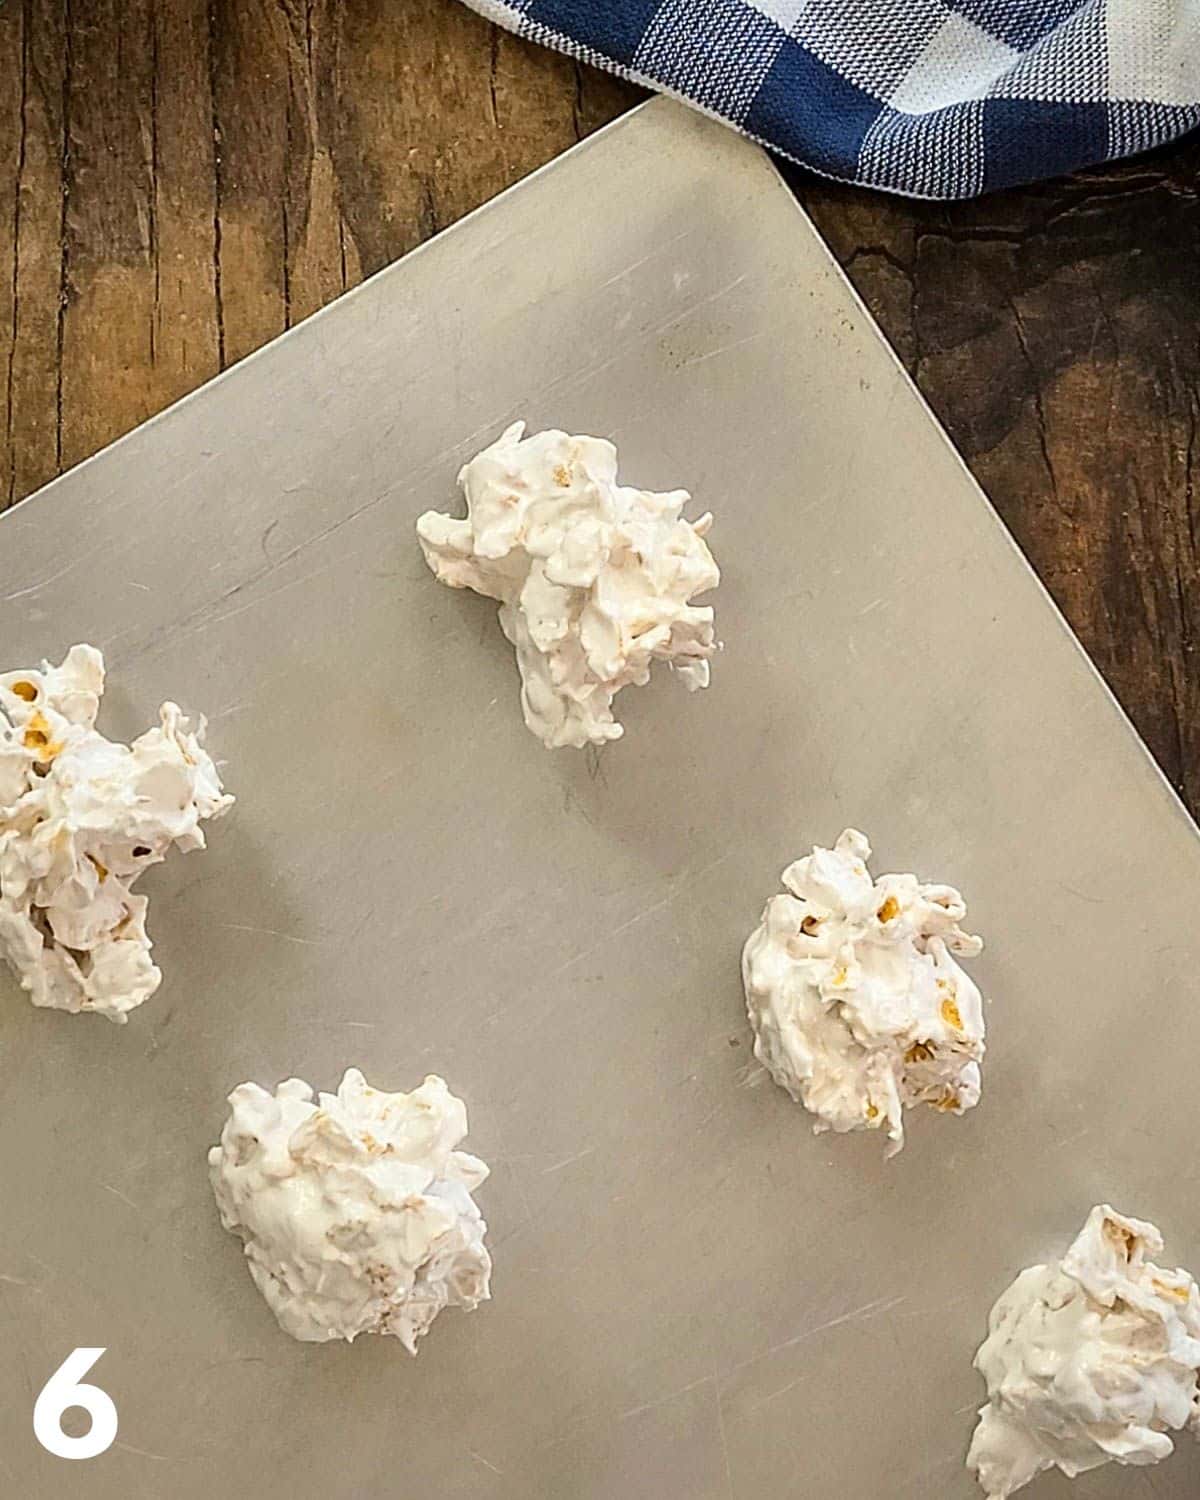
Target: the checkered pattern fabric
(933, 98)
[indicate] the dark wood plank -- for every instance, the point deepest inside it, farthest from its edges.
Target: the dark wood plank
(439, 112)
(106, 351)
(35, 58)
(12, 43)
(320, 264)
(181, 180)
(250, 85)
(186, 334)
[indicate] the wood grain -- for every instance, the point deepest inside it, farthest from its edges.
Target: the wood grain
(181, 180)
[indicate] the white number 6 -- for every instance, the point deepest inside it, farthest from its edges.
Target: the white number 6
(62, 1391)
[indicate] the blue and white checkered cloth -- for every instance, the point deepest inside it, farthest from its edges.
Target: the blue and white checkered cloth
(933, 98)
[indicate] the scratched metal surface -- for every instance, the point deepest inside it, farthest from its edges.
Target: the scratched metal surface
(694, 1299)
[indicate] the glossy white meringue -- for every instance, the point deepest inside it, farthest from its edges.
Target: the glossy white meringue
(594, 578)
(80, 818)
(355, 1211)
(858, 1007)
(1091, 1359)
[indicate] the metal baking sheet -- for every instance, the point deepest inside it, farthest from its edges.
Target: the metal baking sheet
(694, 1298)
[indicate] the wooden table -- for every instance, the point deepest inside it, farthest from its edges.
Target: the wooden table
(181, 180)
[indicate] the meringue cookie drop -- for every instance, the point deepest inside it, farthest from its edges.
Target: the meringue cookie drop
(857, 1006)
(355, 1212)
(80, 819)
(593, 578)
(1091, 1359)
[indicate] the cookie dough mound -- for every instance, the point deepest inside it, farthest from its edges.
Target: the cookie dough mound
(858, 1007)
(80, 819)
(355, 1211)
(594, 578)
(1091, 1359)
